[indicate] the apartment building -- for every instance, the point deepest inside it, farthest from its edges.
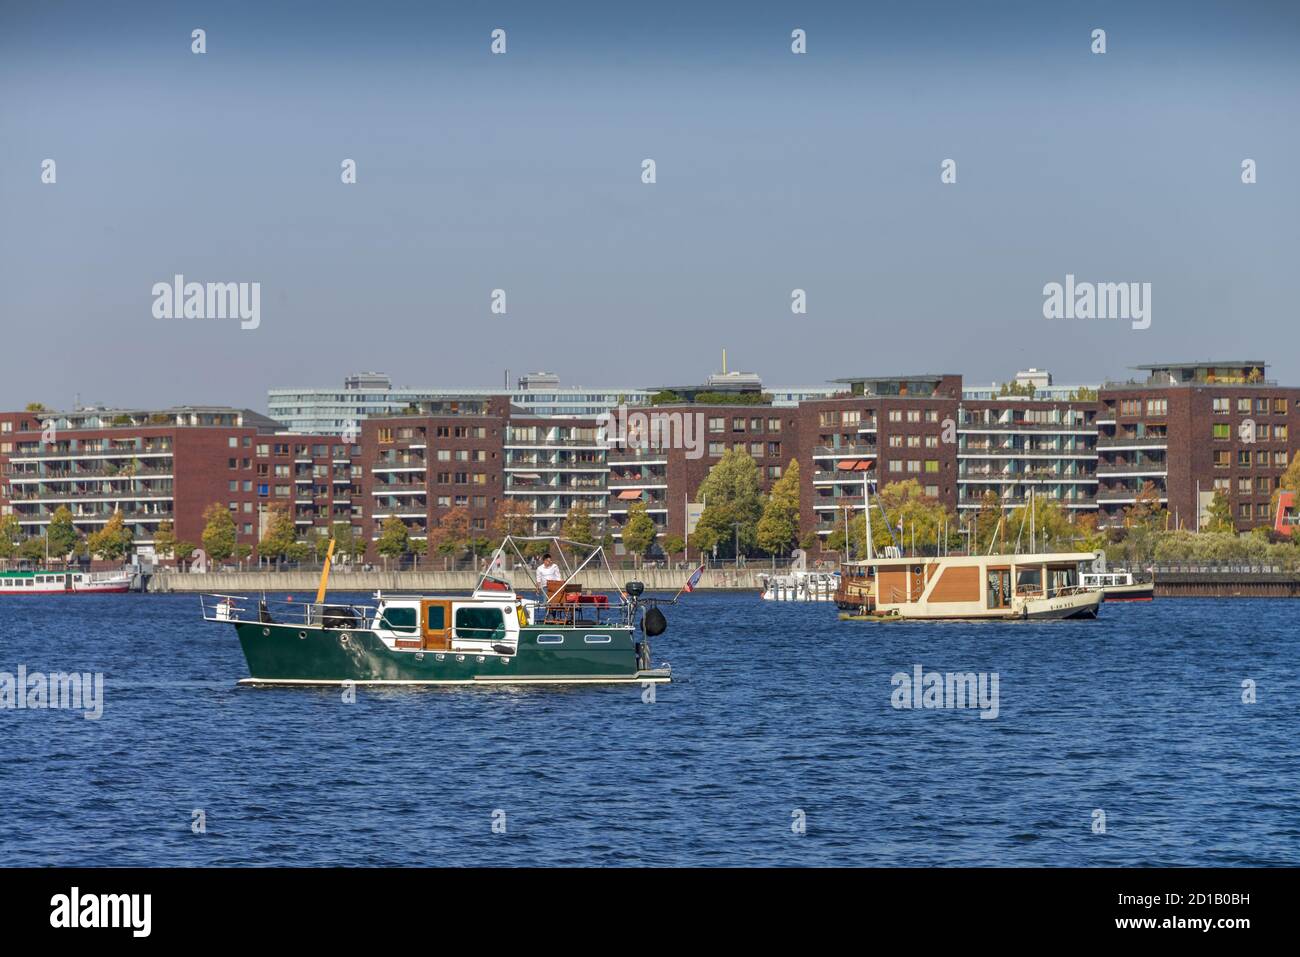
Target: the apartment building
(1014, 446)
(156, 466)
(1191, 429)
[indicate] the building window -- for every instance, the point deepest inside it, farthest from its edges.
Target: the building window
(717, 425)
(1222, 431)
(774, 425)
(895, 441)
(932, 465)
(1221, 406)
(737, 425)
(1157, 407)
(895, 415)
(1243, 405)
(1222, 459)
(896, 465)
(716, 449)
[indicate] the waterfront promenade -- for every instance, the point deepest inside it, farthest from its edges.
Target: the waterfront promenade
(434, 581)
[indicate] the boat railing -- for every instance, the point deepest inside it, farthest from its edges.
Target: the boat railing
(252, 608)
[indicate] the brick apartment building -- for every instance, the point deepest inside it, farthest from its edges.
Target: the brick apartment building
(1192, 429)
(158, 466)
(1188, 429)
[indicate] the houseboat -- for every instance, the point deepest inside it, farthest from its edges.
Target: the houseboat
(567, 635)
(46, 582)
(1119, 585)
(968, 586)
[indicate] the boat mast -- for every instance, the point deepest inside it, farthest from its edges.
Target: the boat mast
(866, 511)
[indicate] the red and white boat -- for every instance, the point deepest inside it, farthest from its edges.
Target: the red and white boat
(45, 582)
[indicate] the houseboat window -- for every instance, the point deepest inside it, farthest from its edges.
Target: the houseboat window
(550, 639)
(400, 619)
(437, 617)
(485, 624)
(1027, 581)
(597, 639)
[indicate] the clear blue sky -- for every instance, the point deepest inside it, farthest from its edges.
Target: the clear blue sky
(522, 172)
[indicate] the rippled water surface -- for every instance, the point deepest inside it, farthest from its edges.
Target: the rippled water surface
(777, 711)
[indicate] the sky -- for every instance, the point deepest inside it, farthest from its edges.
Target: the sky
(523, 172)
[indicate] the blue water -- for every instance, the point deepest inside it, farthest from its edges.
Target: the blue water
(777, 709)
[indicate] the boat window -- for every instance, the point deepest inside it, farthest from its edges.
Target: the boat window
(400, 619)
(597, 639)
(550, 639)
(437, 617)
(485, 624)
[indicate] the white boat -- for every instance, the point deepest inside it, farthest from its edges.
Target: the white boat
(1119, 585)
(799, 585)
(45, 582)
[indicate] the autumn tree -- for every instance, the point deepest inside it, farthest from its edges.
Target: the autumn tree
(113, 541)
(218, 533)
(394, 538)
(281, 538)
(1218, 514)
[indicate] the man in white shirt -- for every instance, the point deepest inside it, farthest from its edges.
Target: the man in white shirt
(548, 571)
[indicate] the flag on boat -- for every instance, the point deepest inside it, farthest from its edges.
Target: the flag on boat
(694, 579)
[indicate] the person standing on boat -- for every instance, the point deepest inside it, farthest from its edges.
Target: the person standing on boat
(548, 571)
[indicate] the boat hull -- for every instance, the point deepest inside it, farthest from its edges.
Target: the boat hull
(1138, 591)
(289, 655)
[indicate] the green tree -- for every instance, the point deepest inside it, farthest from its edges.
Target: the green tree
(281, 537)
(639, 532)
(36, 407)
(733, 503)
(113, 541)
(11, 532)
(577, 525)
(183, 552)
(62, 533)
(673, 545)
(779, 526)
(1218, 517)
(394, 539)
(218, 533)
(33, 549)
(164, 540)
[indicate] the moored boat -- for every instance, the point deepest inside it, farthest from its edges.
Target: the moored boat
(47, 582)
(494, 636)
(799, 585)
(934, 588)
(1119, 585)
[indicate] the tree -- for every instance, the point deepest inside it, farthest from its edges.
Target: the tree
(345, 540)
(514, 517)
(218, 533)
(779, 526)
(280, 538)
(184, 551)
(1052, 527)
(577, 525)
(11, 532)
(36, 407)
(639, 532)
(62, 534)
(113, 541)
(1289, 482)
(451, 535)
(673, 545)
(1146, 510)
(164, 540)
(33, 549)
(394, 539)
(733, 503)
(1218, 515)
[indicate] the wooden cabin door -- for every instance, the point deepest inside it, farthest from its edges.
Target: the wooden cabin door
(435, 620)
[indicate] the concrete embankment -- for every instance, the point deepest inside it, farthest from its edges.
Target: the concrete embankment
(1227, 585)
(433, 582)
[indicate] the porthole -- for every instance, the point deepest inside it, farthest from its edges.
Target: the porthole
(266, 632)
(302, 635)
